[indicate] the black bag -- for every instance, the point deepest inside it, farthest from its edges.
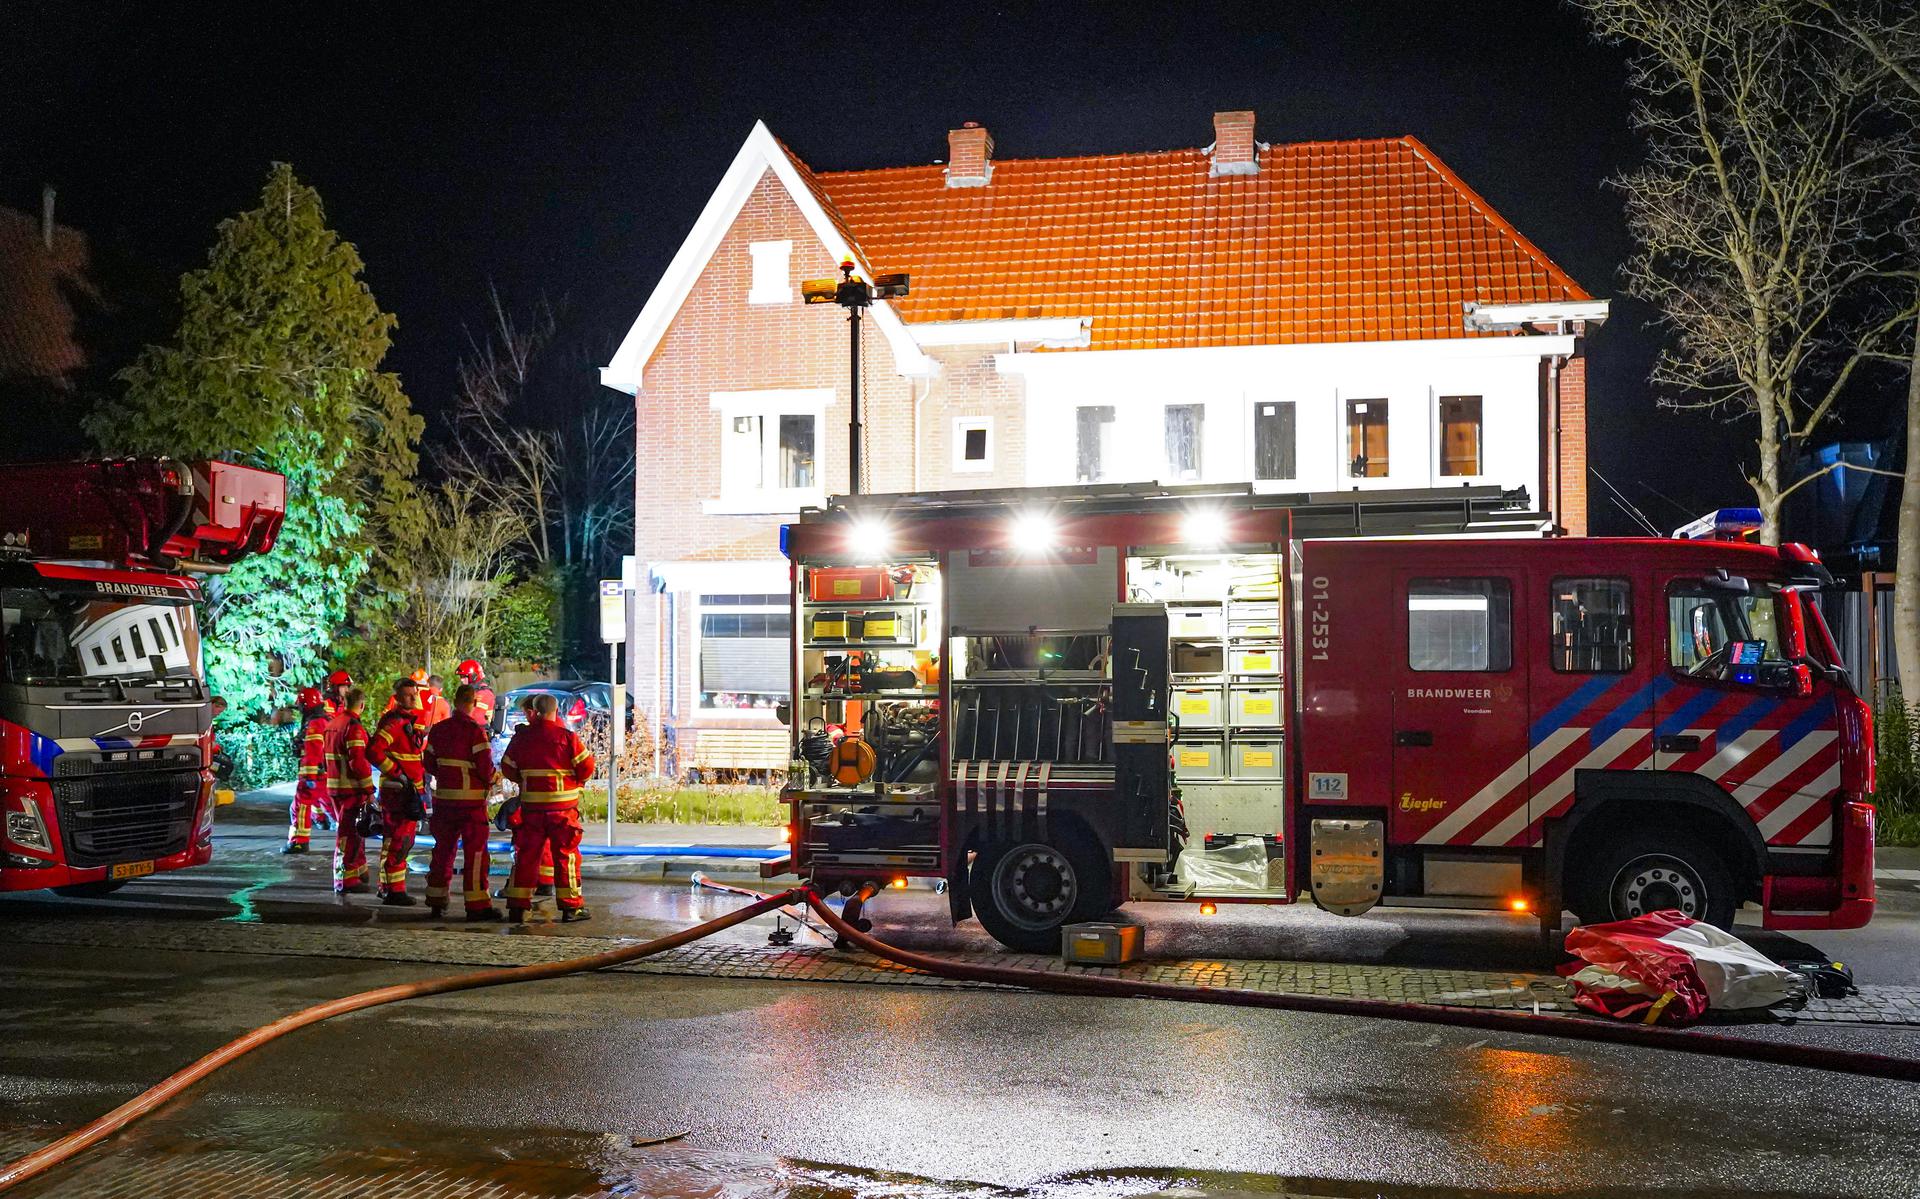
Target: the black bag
(366, 821)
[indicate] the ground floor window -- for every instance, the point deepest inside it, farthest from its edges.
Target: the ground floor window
(743, 651)
(1184, 423)
(1367, 439)
(1273, 440)
(1096, 452)
(1459, 435)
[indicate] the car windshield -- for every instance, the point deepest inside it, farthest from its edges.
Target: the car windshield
(59, 637)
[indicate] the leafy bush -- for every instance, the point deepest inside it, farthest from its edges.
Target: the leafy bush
(526, 622)
(263, 754)
(1896, 730)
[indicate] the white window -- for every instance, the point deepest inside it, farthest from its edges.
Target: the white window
(1183, 426)
(772, 278)
(1096, 447)
(770, 450)
(743, 652)
(973, 443)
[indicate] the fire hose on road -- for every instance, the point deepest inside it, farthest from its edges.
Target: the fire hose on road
(1872, 1065)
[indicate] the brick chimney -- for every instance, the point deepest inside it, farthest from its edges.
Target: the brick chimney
(1234, 151)
(969, 156)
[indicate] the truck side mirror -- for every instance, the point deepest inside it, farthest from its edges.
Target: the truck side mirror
(783, 711)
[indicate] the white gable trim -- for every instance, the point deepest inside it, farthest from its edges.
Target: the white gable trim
(759, 154)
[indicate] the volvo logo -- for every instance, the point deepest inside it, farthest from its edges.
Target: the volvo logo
(135, 720)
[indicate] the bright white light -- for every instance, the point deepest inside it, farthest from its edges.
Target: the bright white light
(870, 539)
(1033, 532)
(1205, 526)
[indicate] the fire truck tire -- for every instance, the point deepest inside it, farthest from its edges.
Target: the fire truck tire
(89, 890)
(1650, 870)
(1024, 892)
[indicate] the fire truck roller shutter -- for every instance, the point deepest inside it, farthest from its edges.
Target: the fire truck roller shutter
(1628, 831)
(1025, 889)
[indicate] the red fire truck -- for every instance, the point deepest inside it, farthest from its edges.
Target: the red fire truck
(104, 713)
(1061, 701)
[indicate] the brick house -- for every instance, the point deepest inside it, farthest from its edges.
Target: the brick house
(1313, 317)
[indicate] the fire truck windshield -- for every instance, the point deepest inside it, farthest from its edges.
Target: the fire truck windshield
(1713, 633)
(53, 637)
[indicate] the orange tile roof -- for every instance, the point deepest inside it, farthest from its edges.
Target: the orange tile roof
(1330, 241)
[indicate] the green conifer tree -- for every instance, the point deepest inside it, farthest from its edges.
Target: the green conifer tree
(276, 364)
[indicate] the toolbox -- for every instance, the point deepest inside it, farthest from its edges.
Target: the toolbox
(848, 584)
(1100, 944)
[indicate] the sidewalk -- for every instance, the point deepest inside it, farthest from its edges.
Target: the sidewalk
(637, 851)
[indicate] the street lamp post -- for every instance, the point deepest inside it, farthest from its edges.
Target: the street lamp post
(853, 294)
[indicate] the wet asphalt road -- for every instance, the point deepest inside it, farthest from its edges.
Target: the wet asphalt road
(1045, 1093)
(787, 1091)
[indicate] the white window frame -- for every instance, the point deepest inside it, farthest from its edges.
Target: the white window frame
(962, 425)
(696, 694)
(772, 272)
(1440, 438)
(770, 405)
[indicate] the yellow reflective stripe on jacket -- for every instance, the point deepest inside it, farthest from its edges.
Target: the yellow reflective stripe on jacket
(452, 793)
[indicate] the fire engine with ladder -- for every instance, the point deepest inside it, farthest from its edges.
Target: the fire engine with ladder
(105, 737)
(1060, 701)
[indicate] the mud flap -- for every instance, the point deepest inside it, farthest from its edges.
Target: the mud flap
(1347, 864)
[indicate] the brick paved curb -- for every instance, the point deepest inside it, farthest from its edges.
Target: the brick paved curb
(497, 947)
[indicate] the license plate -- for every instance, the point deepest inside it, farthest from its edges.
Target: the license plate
(130, 870)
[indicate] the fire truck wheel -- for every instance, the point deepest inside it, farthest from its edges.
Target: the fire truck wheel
(1024, 892)
(1653, 870)
(89, 890)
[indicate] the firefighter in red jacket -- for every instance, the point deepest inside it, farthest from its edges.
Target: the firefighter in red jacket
(399, 747)
(470, 673)
(433, 701)
(549, 762)
(310, 789)
(460, 762)
(352, 791)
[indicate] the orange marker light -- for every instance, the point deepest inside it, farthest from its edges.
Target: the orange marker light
(1518, 905)
(786, 834)
(899, 884)
(1209, 908)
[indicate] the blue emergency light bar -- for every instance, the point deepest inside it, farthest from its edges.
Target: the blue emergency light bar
(1722, 524)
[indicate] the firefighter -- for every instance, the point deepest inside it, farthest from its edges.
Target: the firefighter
(544, 887)
(221, 760)
(549, 762)
(434, 702)
(352, 791)
(310, 791)
(470, 673)
(460, 762)
(338, 684)
(399, 745)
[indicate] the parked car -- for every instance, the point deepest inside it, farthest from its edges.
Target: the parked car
(584, 706)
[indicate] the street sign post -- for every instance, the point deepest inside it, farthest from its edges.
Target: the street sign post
(613, 631)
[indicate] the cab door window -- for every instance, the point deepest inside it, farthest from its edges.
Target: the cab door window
(1592, 621)
(1459, 624)
(1724, 636)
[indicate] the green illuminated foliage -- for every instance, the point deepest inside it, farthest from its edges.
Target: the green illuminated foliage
(276, 364)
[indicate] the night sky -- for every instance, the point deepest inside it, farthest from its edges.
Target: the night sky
(565, 150)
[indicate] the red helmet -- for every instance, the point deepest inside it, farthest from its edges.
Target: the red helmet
(339, 678)
(310, 697)
(469, 670)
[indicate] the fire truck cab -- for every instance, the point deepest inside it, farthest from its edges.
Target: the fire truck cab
(1062, 701)
(104, 711)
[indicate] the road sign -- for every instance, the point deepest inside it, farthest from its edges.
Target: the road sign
(613, 611)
